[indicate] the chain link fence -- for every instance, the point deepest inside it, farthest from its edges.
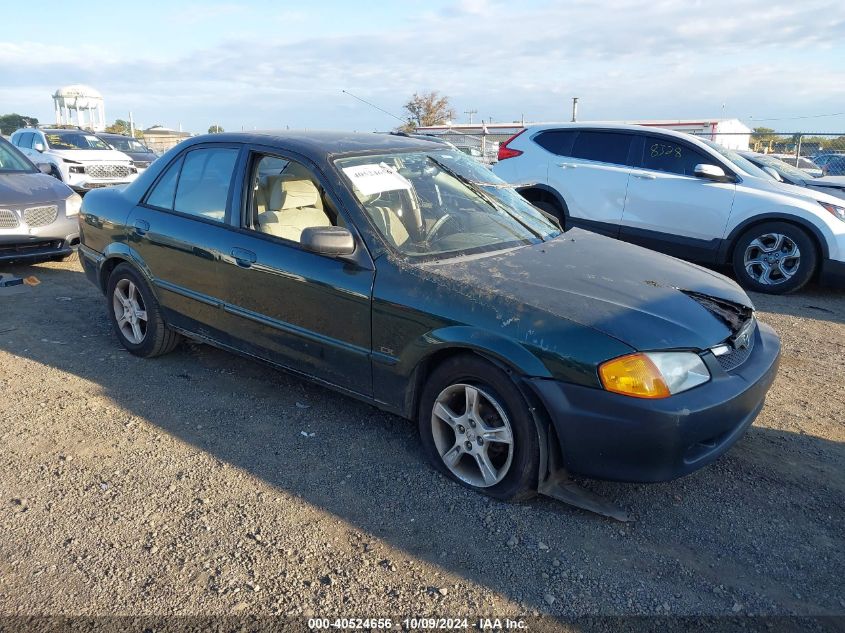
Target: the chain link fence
(484, 147)
(818, 153)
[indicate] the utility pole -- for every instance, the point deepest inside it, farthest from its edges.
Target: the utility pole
(470, 113)
(574, 109)
(131, 126)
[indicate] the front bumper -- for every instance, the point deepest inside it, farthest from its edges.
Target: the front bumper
(610, 436)
(832, 273)
(25, 243)
(83, 182)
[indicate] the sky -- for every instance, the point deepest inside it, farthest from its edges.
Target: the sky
(265, 64)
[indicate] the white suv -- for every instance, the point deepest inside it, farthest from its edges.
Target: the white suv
(78, 158)
(681, 195)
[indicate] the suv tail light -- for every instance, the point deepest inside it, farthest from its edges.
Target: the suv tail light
(507, 152)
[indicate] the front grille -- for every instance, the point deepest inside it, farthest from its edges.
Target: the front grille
(736, 357)
(41, 216)
(8, 219)
(107, 171)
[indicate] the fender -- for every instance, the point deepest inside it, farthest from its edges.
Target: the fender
(125, 253)
(726, 248)
(551, 191)
(501, 349)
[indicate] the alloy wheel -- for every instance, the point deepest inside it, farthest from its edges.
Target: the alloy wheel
(129, 311)
(772, 259)
(472, 434)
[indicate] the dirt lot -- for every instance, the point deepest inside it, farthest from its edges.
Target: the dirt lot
(203, 483)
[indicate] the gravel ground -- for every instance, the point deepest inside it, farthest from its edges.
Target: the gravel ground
(203, 483)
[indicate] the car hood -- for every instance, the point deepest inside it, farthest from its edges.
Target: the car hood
(837, 182)
(644, 299)
(91, 155)
(31, 189)
(807, 195)
(141, 156)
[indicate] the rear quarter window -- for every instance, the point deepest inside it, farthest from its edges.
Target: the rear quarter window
(557, 142)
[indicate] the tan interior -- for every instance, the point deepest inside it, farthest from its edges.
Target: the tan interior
(389, 223)
(292, 205)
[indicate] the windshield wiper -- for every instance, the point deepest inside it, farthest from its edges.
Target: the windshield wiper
(493, 202)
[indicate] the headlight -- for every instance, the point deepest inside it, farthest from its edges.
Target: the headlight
(653, 374)
(838, 211)
(73, 204)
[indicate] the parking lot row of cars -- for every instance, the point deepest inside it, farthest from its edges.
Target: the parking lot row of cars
(83, 159)
(44, 171)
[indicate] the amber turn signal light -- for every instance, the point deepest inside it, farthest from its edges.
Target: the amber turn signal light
(633, 375)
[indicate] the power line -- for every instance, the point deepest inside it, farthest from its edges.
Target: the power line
(372, 105)
(796, 118)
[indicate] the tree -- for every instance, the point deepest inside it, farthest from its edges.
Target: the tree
(118, 127)
(764, 137)
(427, 109)
(215, 129)
(11, 122)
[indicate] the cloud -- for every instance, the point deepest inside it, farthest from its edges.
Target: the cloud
(634, 59)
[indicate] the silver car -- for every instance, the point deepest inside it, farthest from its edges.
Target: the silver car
(38, 213)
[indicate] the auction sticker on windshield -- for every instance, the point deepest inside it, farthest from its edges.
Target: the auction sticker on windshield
(371, 179)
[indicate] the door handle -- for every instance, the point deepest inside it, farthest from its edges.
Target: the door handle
(141, 227)
(243, 257)
(568, 165)
(644, 176)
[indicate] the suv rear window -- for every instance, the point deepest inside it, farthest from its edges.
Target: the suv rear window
(607, 147)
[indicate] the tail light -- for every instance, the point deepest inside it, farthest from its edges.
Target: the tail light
(507, 152)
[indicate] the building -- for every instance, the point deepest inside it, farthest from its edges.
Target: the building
(85, 102)
(160, 139)
(730, 133)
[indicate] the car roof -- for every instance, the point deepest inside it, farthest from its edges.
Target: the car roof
(317, 144)
(610, 126)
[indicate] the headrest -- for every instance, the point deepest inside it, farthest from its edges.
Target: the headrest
(287, 193)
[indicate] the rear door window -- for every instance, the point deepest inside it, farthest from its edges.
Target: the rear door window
(204, 182)
(665, 154)
(606, 147)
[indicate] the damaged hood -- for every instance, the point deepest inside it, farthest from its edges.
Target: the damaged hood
(645, 299)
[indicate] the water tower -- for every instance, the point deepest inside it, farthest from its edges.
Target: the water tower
(86, 102)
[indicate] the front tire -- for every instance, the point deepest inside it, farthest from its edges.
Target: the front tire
(774, 258)
(476, 429)
(136, 316)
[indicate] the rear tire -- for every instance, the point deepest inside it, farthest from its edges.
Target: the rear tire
(774, 258)
(491, 447)
(136, 315)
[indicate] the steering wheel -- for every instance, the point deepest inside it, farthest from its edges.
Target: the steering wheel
(443, 219)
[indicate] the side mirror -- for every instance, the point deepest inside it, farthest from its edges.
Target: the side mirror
(334, 241)
(711, 172)
(773, 173)
(45, 168)
(38, 147)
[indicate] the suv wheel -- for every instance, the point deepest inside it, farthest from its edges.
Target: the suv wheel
(774, 258)
(476, 428)
(136, 316)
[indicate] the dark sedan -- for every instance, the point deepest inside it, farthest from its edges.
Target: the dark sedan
(403, 273)
(141, 155)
